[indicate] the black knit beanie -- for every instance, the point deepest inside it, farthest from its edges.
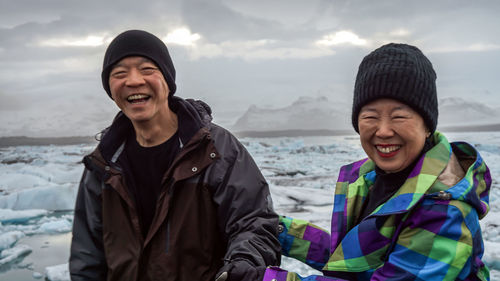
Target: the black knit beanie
(400, 72)
(138, 43)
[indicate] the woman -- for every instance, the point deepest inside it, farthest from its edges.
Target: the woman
(411, 210)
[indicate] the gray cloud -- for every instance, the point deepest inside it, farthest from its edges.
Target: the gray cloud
(249, 52)
(10, 102)
(218, 22)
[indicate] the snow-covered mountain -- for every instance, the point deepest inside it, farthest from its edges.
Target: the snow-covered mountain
(308, 113)
(457, 111)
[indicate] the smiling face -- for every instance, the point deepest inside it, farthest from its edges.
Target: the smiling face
(139, 89)
(391, 133)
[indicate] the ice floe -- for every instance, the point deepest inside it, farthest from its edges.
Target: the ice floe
(57, 272)
(39, 183)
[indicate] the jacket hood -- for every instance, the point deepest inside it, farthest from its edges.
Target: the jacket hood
(474, 187)
(192, 116)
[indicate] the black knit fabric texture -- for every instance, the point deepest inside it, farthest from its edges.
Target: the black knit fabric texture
(138, 43)
(401, 72)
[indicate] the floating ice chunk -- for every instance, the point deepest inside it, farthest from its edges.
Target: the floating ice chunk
(491, 255)
(298, 267)
(37, 275)
(27, 229)
(10, 238)
(311, 204)
(54, 198)
(485, 148)
(58, 272)
(13, 180)
(490, 227)
(287, 145)
(20, 216)
(9, 255)
(494, 274)
(58, 226)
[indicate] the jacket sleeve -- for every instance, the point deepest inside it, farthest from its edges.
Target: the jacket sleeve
(440, 241)
(246, 216)
(87, 261)
(304, 241)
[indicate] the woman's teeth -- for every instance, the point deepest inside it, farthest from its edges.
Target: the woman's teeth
(388, 149)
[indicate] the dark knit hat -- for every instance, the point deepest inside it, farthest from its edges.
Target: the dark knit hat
(400, 72)
(138, 43)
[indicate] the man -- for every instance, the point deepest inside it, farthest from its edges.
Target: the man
(167, 195)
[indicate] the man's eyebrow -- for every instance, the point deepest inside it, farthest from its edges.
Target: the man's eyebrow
(370, 109)
(143, 60)
(118, 64)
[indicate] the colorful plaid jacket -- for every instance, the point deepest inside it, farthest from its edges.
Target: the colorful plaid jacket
(429, 229)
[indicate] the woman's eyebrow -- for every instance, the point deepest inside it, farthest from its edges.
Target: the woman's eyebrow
(401, 107)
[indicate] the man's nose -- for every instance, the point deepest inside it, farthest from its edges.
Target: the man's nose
(134, 78)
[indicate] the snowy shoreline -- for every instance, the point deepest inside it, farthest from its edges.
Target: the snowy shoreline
(39, 185)
(48, 250)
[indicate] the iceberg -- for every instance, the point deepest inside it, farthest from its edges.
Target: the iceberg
(8, 239)
(12, 254)
(39, 184)
(20, 216)
(58, 226)
(52, 198)
(58, 272)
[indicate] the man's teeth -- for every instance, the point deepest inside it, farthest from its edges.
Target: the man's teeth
(136, 97)
(388, 149)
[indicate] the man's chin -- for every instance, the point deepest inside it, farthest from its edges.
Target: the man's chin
(138, 118)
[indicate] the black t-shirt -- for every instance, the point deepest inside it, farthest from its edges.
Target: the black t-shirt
(148, 166)
(384, 187)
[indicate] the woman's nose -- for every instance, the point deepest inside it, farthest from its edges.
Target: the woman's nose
(384, 128)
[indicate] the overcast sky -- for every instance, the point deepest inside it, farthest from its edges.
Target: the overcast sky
(231, 53)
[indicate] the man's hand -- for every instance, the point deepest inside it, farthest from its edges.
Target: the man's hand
(241, 271)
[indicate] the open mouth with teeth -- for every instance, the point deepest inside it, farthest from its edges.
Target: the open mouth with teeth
(388, 150)
(138, 98)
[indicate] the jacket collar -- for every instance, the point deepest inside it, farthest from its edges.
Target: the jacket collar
(427, 178)
(428, 168)
(192, 116)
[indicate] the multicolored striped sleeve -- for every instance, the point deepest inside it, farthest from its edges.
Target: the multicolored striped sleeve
(278, 274)
(304, 241)
(437, 242)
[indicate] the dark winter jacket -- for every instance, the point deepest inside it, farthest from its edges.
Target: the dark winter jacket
(214, 208)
